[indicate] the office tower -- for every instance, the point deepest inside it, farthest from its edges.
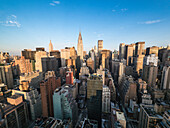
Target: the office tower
(6, 76)
(127, 90)
(152, 58)
(50, 47)
(129, 54)
(139, 49)
(163, 55)
(65, 107)
(138, 63)
(148, 118)
(122, 50)
(34, 78)
(165, 81)
(90, 64)
(56, 54)
(152, 50)
(103, 61)
(80, 46)
(69, 77)
(38, 56)
(94, 98)
(73, 52)
(115, 55)
(100, 45)
(49, 64)
(65, 54)
(32, 97)
(4, 92)
(106, 99)
(47, 88)
(106, 55)
(24, 65)
(15, 112)
(117, 70)
(150, 74)
(28, 54)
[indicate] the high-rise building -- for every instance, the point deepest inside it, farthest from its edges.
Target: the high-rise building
(69, 77)
(138, 64)
(122, 50)
(165, 81)
(151, 58)
(80, 46)
(32, 96)
(49, 64)
(106, 99)
(34, 78)
(47, 88)
(115, 55)
(148, 118)
(28, 54)
(38, 56)
(129, 53)
(94, 98)
(150, 74)
(15, 112)
(65, 107)
(152, 50)
(90, 64)
(139, 49)
(73, 52)
(128, 90)
(50, 47)
(6, 76)
(65, 54)
(106, 55)
(100, 45)
(24, 65)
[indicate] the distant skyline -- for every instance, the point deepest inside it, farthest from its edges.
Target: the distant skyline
(27, 24)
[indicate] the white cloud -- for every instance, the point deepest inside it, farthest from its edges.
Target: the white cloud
(150, 22)
(124, 9)
(113, 10)
(11, 21)
(54, 3)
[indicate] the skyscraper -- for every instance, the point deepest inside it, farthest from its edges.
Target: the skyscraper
(100, 45)
(47, 88)
(50, 47)
(122, 51)
(80, 46)
(94, 98)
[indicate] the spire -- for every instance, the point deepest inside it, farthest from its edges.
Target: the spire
(50, 46)
(80, 37)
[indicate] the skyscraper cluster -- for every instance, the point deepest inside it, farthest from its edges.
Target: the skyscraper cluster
(74, 88)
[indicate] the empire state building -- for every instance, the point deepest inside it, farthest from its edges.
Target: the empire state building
(80, 46)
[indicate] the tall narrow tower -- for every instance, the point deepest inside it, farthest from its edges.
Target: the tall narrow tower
(50, 46)
(80, 46)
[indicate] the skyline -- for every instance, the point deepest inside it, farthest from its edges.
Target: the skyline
(31, 24)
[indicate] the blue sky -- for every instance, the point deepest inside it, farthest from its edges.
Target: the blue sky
(33, 23)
